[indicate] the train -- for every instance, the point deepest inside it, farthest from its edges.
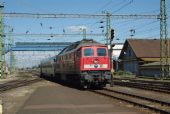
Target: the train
(84, 62)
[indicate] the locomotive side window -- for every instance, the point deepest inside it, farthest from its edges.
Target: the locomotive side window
(88, 52)
(78, 54)
(101, 51)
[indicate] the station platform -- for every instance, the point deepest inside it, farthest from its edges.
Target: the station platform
(59, 99)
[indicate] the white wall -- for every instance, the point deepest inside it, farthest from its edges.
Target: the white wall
(117, 50)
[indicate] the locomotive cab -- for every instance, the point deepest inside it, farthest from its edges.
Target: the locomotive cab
(95, 65)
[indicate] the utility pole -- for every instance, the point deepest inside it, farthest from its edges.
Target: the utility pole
(164, 42)
(1, 39)
(11, 42)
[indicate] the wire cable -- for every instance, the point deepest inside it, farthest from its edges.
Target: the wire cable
(123, 6)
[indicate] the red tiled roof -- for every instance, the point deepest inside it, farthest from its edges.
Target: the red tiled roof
(142, 48)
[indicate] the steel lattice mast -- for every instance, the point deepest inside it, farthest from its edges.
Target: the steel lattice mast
(1, 39)
(164, 42)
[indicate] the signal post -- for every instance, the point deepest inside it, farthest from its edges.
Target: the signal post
(112, 34)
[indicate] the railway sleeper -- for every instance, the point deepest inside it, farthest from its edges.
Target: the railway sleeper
(135, 101)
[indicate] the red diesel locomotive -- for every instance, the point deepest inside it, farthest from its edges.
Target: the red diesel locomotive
(85, 62)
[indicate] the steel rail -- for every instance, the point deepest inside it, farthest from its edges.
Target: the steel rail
(17, 83)
(143, 86)
(141, 97)
(129, 100)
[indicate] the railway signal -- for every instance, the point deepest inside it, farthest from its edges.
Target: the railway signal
(112, 34)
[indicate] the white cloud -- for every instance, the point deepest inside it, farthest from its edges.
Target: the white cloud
(75, 28)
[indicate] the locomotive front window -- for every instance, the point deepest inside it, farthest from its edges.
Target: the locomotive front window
(88, 52)
(101, 51)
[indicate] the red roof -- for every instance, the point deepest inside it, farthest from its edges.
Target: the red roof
(145, 48)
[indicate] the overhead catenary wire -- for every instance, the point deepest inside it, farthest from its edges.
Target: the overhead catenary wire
(123, 6)
(103, 8)
(94, 16)
(35, 15)
(137, 25)
(134, 24)
(138, 34)
(141, 28)
(149, 30)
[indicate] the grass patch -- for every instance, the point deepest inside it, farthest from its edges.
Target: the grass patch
(122, 74)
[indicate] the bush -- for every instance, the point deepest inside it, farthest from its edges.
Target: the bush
(121, 72)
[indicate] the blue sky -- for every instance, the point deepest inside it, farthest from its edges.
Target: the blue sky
(144, 28)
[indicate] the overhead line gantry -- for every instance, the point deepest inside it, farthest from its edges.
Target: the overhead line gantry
(62, 15)
(50, 35)
(107, 16)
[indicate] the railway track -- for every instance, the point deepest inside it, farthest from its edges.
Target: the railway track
(162, 107)
(160, 87)
(17, 83)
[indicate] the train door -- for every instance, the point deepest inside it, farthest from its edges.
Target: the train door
(78, 59)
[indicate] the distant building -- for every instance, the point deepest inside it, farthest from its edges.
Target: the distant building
(141, 57)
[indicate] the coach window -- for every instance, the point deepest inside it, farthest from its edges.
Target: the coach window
(88, 52)
(78, 54)
(101, 51)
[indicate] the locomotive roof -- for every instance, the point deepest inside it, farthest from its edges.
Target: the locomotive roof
(78, 44)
